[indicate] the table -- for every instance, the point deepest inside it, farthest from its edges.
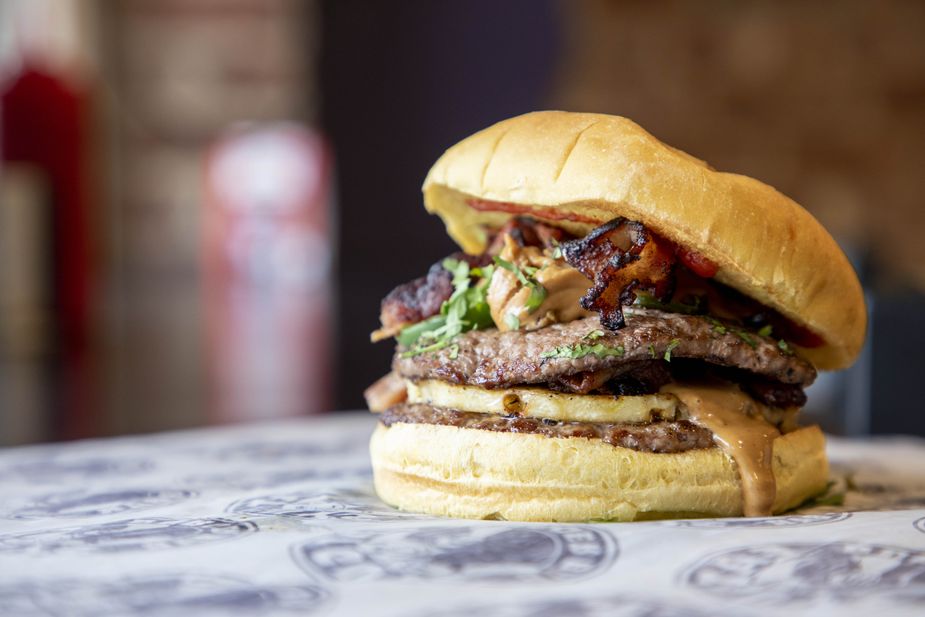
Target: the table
(281, 519)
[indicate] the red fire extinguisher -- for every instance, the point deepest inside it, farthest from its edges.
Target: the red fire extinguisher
(43, 120)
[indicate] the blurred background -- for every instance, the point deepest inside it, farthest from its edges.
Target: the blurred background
(203, 201)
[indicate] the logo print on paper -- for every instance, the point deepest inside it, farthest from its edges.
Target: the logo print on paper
(169, 594)
(82, 503)
(795, 520)
(487, 553)
(783, 573)
(340, 504)
(579, 606)
(63, 469)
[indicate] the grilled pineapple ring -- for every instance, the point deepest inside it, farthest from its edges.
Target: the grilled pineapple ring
(543, 403)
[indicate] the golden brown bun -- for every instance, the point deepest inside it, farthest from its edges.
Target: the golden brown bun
(468, 473)
(600, 167)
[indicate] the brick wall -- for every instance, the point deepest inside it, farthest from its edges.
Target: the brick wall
(178, 73)
(823, 100)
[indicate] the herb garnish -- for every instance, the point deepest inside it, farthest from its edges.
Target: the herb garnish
(835, 499)
(652, 350)
(593, 335)
(745, 337)
(580, 350)
(832, 496)
(647, 300)
(556, 249)
(718, 326)
(784, 347)
(674, 343)
(526, 277)
(467, 309)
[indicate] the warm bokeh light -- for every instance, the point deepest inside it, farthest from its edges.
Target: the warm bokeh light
(203, 201)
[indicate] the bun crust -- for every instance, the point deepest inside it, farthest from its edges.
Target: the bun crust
(468, 473)
(594, 167)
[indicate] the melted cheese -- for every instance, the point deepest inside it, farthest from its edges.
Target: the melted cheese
(542, 403)
(749, 440)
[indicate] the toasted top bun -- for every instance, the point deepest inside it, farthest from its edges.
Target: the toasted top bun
(580, 170)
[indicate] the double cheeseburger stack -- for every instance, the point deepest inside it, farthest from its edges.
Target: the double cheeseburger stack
(627, 335)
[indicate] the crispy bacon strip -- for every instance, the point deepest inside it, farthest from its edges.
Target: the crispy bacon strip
(527, 231)
(421, 298)
(621, 257)
(387, 391)
(548, 214)
(697, 263)
(414, 301)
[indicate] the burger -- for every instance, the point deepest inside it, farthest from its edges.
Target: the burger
(626, 334)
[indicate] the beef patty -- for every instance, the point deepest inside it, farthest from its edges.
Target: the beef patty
(493, 359)
(661, 437)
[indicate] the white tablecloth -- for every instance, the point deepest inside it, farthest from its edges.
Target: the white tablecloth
(281, 519)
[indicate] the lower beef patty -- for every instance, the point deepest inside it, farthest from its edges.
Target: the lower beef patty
(661, 437)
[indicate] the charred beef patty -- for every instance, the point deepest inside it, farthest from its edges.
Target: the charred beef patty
(493, 359)
(660, 437)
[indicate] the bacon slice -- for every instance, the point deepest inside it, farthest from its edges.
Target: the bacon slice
(526, 231)
(697, 263)
(387, 391)
(421, 298)
(414, 301)
(621, 257)
(546, 213)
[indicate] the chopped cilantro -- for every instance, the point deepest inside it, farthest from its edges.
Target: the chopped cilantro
(556, 249)
(483, 272)
(834, 499)
(718, 326)
(466, 309)
(580, 350)
(412, 333)
(512, 267)
(525, 275)
(646, 300)
(745, 337)
(784, 347)
(459, 269)
(537, 296)
(652, 350)
(674, 343)
(593, 335)
(832, 496)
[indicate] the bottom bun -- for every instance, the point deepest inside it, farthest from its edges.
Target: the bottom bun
(471, 473)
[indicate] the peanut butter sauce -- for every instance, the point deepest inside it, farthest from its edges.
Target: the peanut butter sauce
(508, 297)
(740, 431)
